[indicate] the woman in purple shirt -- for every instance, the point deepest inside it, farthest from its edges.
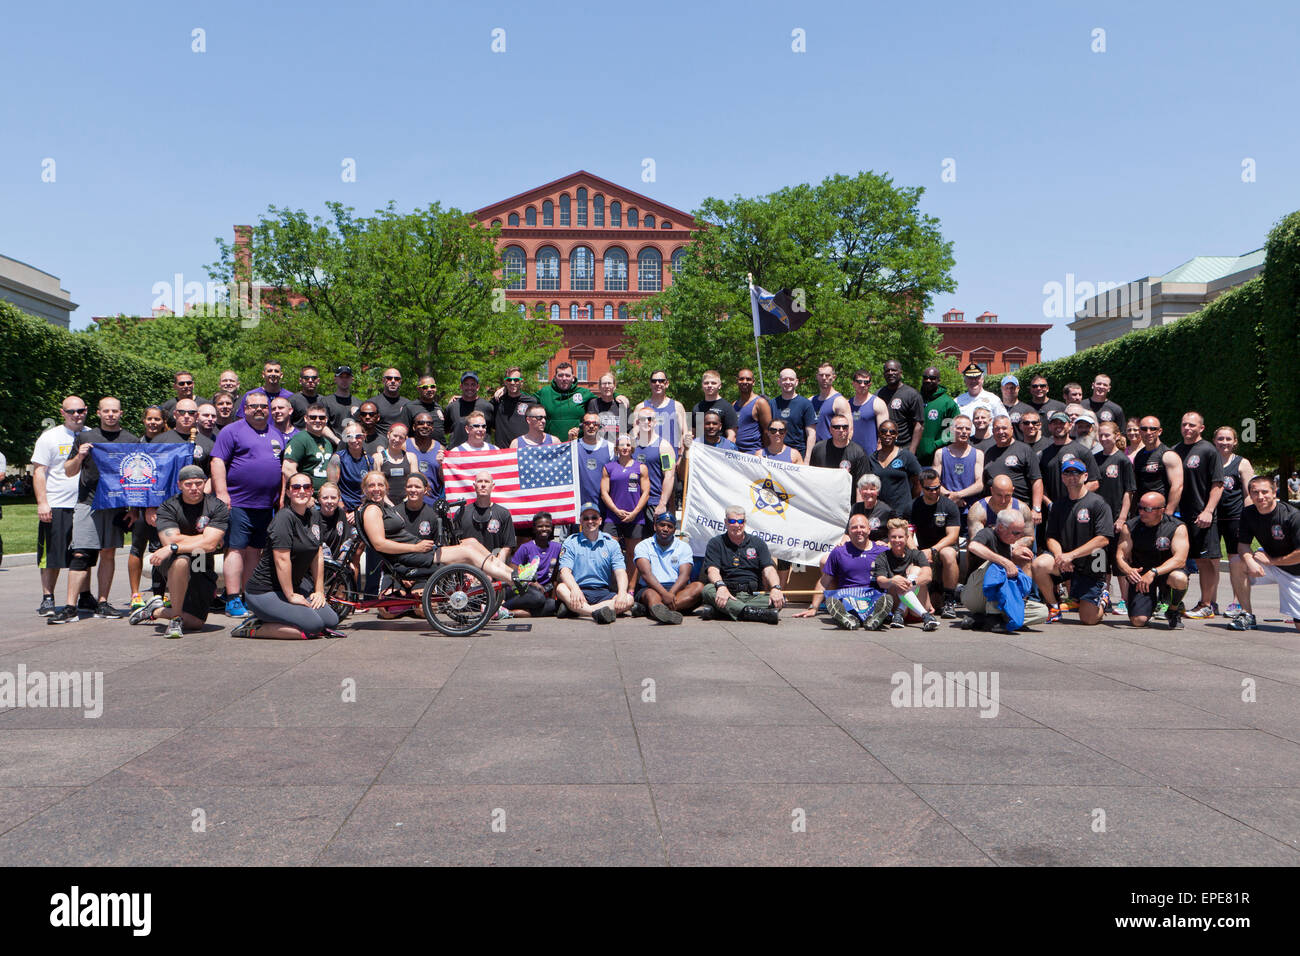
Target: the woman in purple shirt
(625, 489)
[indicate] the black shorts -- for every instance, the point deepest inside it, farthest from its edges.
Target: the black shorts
(1230, 534)
(144, 537)
(54, 538)
(626, 530)
(201, 589)
(1144, 605)
(1202, 542)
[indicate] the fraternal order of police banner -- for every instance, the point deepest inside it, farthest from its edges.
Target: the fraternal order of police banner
(142, 475)
(800, 511)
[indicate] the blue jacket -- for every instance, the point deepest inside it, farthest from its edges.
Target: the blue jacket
(1007, 593)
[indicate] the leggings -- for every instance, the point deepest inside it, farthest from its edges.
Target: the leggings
(271, 608)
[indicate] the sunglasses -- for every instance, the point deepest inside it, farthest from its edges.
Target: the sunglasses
(929, 487)
(1149, 508)
(776, 431)
(317, 418)
(75, 411)
(735, 521)
(475, 425)
(513, 378)
(307, 378)
(300, 487)
(1148, 428)
(187, 411)
(862, 381)
(256, 408)
(840, 428)
(185, 383)
(658, 381)
(427, 388)
(392, 378)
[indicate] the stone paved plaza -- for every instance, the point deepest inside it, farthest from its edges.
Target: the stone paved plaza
(762, 745)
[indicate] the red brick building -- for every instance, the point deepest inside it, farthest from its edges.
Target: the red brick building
(997, 349)
(588, 250)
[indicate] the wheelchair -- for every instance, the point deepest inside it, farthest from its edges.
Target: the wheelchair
(456, 599)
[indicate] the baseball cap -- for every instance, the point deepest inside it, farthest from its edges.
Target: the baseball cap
(1010, 380)
(190, 471)
(1059, 417)
(473, 375)
(343, 370)
(667, 518)
(1073, 464)
(587, 506)
(1085, 417)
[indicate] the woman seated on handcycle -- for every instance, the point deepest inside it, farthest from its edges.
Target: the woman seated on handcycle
(386, 528)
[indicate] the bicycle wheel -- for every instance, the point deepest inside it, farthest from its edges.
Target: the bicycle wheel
(458, 600)
(340, 584)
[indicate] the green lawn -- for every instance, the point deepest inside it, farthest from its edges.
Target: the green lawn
(18, 526)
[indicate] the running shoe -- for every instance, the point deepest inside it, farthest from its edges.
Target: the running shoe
(502, 614)
(603, 615)
(235, 607)
(664, 614)
(1054, 614)
(108, 612)
(929, 623)
(897, 619)
(1121, 607)
(1203, 612)
(246, 627)
(880, 612)
(1245, 621)
(840, 616)
(175, 629)
(66, 615)
(1232, 610)
(47, 606)
(137, 600)
(144, 613)
(951, 610)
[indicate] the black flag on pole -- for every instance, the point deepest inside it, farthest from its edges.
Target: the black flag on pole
(774, 312)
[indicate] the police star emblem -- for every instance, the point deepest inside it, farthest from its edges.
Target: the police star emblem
(770, 496)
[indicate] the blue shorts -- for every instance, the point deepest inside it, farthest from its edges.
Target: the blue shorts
(596, 595)
(248, 527)
(1084, 587)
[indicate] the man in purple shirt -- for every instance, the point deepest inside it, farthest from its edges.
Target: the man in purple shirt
(246, 476)
(270, 387)
(847, 585)
(539, 599)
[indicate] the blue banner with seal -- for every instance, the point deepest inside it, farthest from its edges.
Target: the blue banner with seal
(140, 475)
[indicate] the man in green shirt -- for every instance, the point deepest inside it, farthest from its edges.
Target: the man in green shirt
(940, 410)
(564, 401)
(309, 450)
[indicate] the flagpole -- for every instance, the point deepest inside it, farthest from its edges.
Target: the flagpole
(762, 389)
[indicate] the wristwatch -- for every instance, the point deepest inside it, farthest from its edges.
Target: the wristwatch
(175, 548)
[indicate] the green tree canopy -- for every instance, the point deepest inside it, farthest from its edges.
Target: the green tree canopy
(865, 257)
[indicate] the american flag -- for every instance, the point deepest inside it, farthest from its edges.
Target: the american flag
(528, 480)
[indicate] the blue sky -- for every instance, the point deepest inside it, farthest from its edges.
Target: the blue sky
(1109, 166)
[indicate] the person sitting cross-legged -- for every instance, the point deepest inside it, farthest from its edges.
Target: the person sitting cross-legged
(736, 564)
(904, 573)
(1003, 549)
(848, 585)
(593, 577)
(664, 586)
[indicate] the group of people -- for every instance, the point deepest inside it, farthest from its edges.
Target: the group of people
(1002, 510)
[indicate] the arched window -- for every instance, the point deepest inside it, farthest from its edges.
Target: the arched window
(649, 271)
(609, 312)
(615, 270)
(616, 213)
(548, 213)
(665, 224)
(598, 210)
(555, 311)
(495, 223)
(513, 219)
(573, 311)
(523, 310)
(582, 207)
(564, 210)
(548, 269)
(514, 268)
(679, 259)
(591, 311)
(622, 312)
(631, 218)
(530, 215)
(649, 221)
(582, 270)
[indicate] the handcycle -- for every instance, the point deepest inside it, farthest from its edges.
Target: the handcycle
(456, 599)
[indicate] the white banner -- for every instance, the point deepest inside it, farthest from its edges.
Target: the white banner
(800, 511)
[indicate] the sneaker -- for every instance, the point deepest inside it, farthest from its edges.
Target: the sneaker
(603, 615)
(66, 615)
(175, 629)
(1175, 617)
(951, 610)
(246, 627)
(502, 614)
(999, 626)
(1054, 614)
(529, 571)
(108, 612)
(1245, 621)
(87, 603)
(1121, 607)
(137, 600)
(1202, 612)
(665, 615)
(897, 619)
(1105, 597)
(1069, 604)
(840, 616)
(332, 633)
(144, 613)
(705, 613)
(880, 612)
(47, 606)
(1162, 608)
(1232, 610)
(638, 610)
(928, 623)
(563, 611)
(235, 607)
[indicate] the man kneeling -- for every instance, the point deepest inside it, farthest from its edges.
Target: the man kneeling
(191, 528)
(735, 563)
(593, 577)
(1151, 557)
(664, 564)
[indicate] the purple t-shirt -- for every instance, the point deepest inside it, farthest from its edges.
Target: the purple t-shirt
(252, 464)
(624, 483)
(529, 550)
(851, 566)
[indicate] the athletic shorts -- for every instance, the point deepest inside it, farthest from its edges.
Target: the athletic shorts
(1086, 588)
(596, 595)
(248, 527)
(625, 530)
(54, 538)
(1288, 589)
(1144, 605)
(1230, 534)
(1202, 542)
(96, 530)
(144, 536)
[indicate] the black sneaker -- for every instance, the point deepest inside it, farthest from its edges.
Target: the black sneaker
(897, 619)
(1244, 622)
(638, 610)
(563, 611)
(928, 623)
(87, 603)
(951, 610)
(603, 615)
(65, 615)
(664, 614)
(47, 606)
(108, 612)
(1175, 617)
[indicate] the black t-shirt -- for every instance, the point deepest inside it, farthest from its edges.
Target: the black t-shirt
(492, 525)
(1115, 474)
(611, 415)
(851, 458)
(876, 520)
(422, 524)
(511, 417)
(1049, 405)
(301, 403)
(1019, 463)
(335, 530)
(169, 409)
(719, 405)
(1149, 471)
(1015, 412)
(456, 411)
(983, 444)
(895, 478)
(1234, 494)
(209, 512)
(1074, 523)
(1039, 445)
(414, 408)
(339, 408)
(1153, 545)
(301, 535)
(741, 565)
(888, 564)
(202, 446)
(988, 536)
(1202, 469)
(906, 410)
(1051, 460)
(933, 521)
(391, 411)
(1277, 532)
(1106, 411)
(89, 475)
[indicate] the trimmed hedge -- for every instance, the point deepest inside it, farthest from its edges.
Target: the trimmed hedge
(41, 364)
(1281, 328)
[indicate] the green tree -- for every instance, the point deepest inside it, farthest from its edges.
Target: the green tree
(420, 291)
(865, 258)
(198, 342)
